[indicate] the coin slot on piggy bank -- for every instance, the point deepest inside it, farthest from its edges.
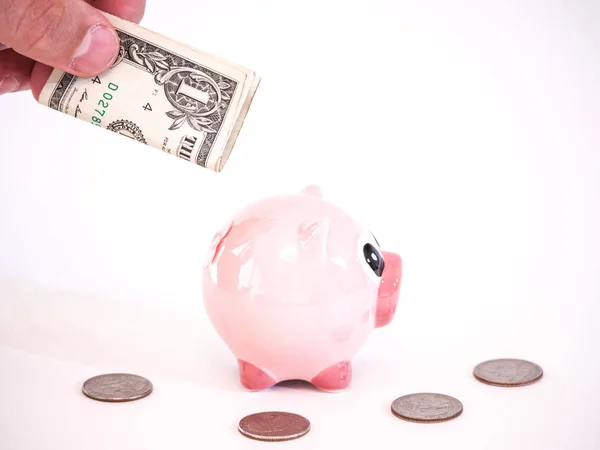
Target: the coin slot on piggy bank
(294, 286)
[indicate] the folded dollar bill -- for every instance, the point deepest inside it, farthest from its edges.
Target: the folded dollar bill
(162, 93)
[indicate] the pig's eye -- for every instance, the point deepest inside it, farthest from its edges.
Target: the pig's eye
(374, 259)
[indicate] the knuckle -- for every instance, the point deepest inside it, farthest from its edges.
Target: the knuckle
(40, 24)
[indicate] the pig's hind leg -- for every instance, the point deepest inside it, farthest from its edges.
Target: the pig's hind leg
(335, 378)
(254, 378)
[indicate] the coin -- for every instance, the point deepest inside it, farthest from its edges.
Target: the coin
(427, 407)
(274, 426)
(508, 372)
(117, 387)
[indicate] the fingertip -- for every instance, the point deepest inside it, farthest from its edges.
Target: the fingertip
(130, 10)
(135, 12)
(39, 77)
(15, 71)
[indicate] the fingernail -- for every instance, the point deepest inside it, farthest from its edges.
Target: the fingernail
(96, 52)
(8, 84)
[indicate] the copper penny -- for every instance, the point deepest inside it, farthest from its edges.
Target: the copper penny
(274, 426)
(427, 407)
(117, 387)
(508, 372)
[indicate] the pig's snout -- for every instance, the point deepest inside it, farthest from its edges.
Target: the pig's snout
(389, 289)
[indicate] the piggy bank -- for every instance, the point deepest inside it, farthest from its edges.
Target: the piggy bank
(294, 286)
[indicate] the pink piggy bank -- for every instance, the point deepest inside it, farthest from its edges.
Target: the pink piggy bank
(294, 286)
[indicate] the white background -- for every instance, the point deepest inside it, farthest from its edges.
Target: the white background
(466, 133)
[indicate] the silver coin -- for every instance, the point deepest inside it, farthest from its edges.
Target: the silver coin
(274, 426)
(117, 387)
(508, 372)
(427, 407)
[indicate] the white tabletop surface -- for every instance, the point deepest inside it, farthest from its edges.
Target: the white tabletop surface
(466, 133)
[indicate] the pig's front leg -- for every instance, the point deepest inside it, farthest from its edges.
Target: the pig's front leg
(335, 378)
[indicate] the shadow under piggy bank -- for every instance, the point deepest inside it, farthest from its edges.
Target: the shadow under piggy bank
(114, 334)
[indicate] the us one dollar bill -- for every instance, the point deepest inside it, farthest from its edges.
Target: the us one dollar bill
(162, 93)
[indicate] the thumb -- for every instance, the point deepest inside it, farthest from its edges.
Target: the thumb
(69, 35)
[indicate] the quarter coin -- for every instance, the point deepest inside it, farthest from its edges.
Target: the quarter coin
(117, 387)
(427, 407)
(274, 426)
(508, 372)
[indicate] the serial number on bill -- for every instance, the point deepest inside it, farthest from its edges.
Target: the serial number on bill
(103, 104)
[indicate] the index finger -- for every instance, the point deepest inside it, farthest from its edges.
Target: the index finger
(131, 10)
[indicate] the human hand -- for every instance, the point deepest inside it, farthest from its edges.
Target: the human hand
(71, 35)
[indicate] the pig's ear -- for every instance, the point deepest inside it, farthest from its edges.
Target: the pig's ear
(313, 190)
(313, 234)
